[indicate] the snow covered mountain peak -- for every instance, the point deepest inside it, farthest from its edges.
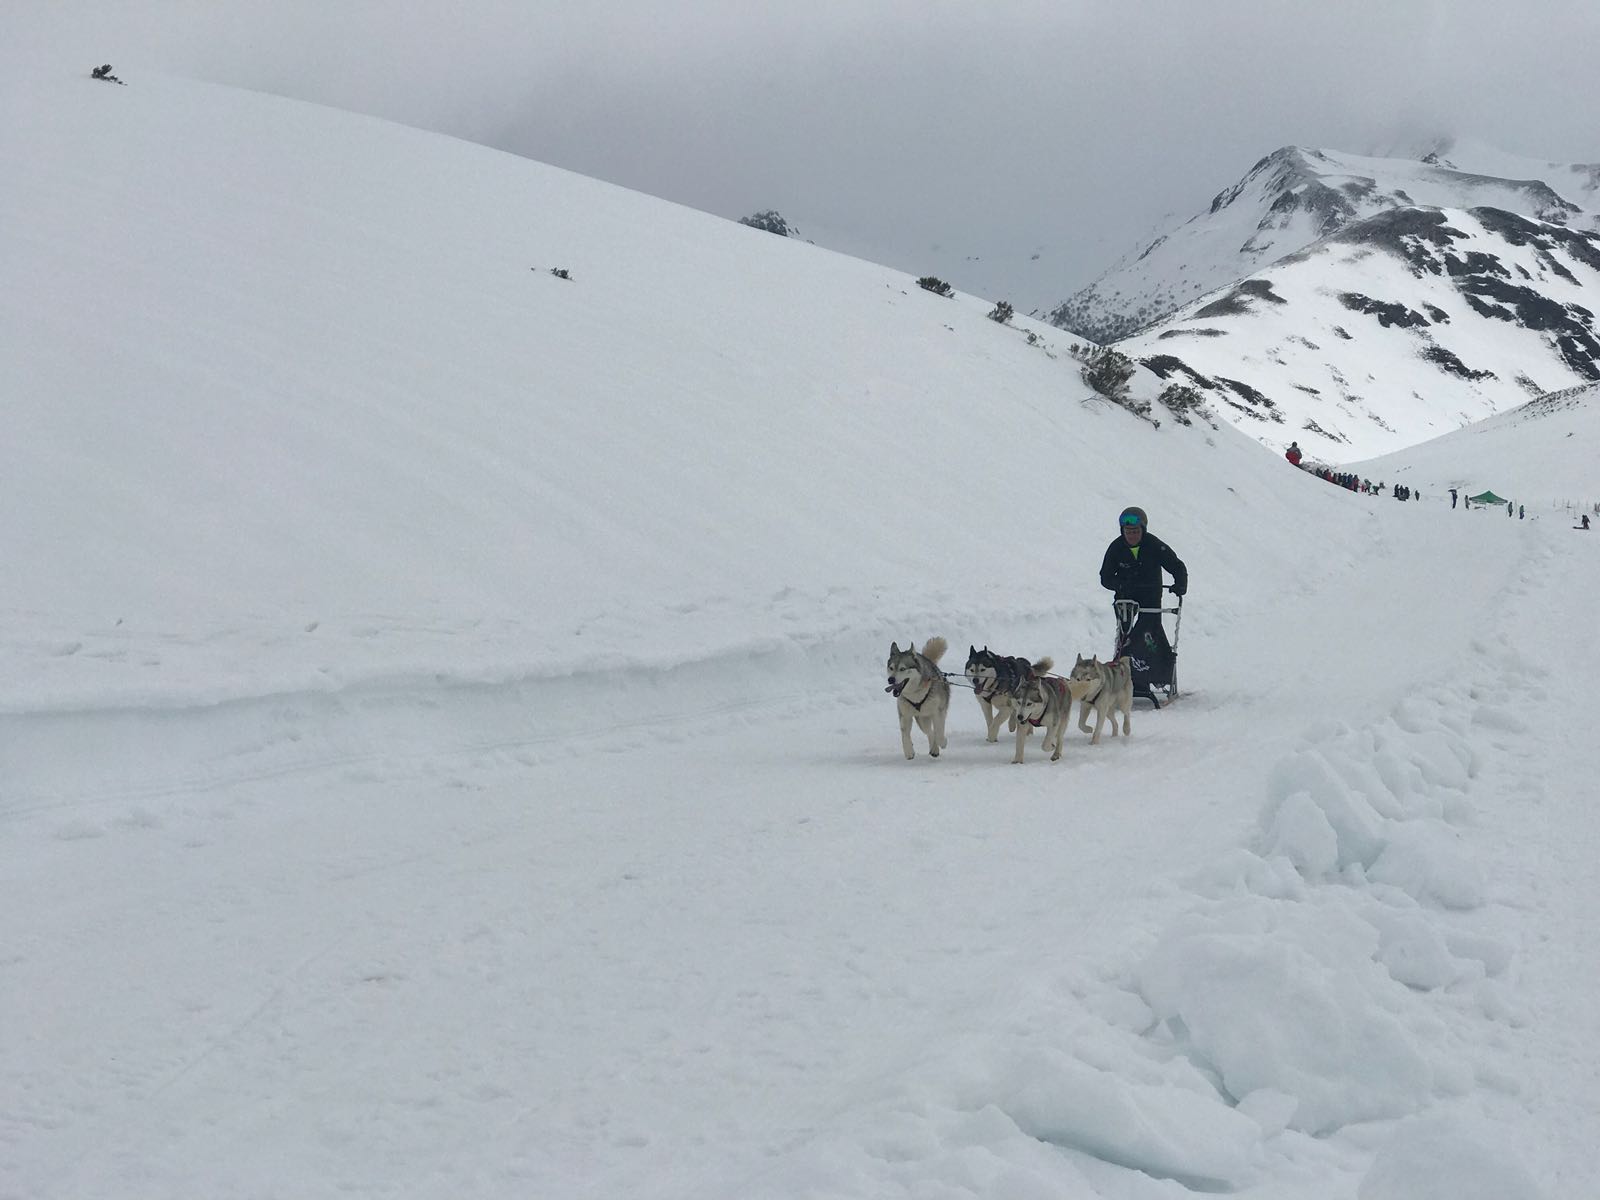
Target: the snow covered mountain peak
(1296, 195)
(1391, 330)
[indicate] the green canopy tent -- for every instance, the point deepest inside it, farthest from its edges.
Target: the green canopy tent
(1487, 498)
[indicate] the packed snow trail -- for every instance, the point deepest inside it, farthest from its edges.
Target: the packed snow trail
(1533, 673)
(665, 963)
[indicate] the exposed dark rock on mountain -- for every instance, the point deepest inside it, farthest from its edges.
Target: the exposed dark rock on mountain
(1292, 198)
(1392, 329)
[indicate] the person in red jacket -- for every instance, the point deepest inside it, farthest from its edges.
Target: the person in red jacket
(1293, 453)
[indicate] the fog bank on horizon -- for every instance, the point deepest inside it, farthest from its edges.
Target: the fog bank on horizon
(893, 126)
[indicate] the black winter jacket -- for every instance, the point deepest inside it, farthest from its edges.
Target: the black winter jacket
(1140, 578)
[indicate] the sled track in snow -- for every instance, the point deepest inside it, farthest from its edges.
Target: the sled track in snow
(70, 757)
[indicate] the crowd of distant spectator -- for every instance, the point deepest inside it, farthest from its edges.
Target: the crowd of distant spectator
(1348, 479)
(1354, 483)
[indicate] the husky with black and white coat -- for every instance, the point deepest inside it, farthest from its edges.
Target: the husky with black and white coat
(995, 679)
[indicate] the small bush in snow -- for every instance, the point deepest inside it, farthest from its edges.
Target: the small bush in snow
(938, 287)
(104, 72)
(560, 273)
(1108, 371)
(1002, 312)
(1183, 402)
(1139, 408)
(771, 220)
(1105, 370)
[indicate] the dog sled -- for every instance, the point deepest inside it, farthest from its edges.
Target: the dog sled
(1142, 640)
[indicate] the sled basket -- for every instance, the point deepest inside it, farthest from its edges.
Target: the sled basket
(1142, 640)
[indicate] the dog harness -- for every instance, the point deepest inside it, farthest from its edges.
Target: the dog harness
(1009, 674)
(1100, 685)
(928, 682)
(1058, 686)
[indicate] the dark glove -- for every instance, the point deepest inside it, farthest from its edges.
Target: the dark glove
(1179, 591)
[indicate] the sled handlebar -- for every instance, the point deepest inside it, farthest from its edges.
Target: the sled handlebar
(1177, 608)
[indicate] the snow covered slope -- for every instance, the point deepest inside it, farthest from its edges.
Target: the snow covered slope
(1544, 454)
(1577, 183)
(1020, 265)
(382, 400)
(1393, 330)
(443, 746)
(1296, 195)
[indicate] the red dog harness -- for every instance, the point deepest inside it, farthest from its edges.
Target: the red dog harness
(1059, 686)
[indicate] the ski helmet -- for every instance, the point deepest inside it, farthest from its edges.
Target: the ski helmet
(1143, 521)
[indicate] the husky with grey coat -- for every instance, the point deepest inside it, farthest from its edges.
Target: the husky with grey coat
(995, 679)
(1046, 702)
(921, 692)
(1107, 687)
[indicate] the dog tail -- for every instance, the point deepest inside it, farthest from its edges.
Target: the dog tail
(1042, 667)
(933, 649)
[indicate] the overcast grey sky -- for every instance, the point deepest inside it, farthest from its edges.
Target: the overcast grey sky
(892, 126)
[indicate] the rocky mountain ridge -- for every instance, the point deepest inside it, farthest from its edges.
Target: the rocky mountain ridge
(1295, 196)
(1390, 330)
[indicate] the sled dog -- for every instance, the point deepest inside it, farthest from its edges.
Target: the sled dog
(1044, 701)
(1107, 687)
(921, 692)
(995, 679)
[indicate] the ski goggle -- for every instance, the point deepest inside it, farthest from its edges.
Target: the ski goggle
(1131, 521)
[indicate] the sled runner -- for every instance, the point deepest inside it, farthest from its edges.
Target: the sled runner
(1143, 641)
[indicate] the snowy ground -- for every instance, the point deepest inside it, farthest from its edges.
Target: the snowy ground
(448, 756)
(719, 938)
(1541, 454)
